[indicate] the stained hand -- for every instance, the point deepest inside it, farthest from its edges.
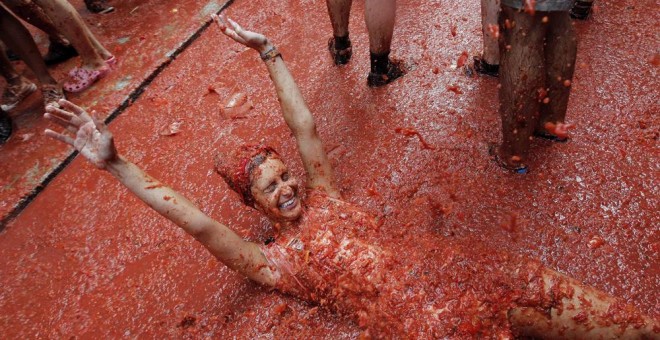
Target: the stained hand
(233, 30)
(92, 138)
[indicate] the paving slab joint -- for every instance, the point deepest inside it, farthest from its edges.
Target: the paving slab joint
(130, 99)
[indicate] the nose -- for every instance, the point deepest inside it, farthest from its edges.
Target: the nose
(287, 191)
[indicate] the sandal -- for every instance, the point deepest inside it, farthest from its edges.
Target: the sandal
(395, 70)
(341, 57)
(52, 93)
(481, 66)
(492, 151)
(98, 6)
(81, 79)
(581, 10)
(14, 94)
(6, 127)
(112, 62)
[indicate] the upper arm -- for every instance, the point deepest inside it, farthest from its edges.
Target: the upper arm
(299, 119)
(236, 253)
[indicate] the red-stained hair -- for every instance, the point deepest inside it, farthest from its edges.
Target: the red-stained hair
(236, 167)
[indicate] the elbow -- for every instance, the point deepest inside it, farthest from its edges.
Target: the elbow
(200, 229)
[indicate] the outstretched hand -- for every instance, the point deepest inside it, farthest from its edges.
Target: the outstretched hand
(92, 137)
(233, 30)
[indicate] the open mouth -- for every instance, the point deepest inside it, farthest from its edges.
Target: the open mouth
(289, 204)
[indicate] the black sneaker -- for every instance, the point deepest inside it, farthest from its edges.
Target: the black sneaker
(581, 10)
(5, 127)
(58, 52)
(395, 70)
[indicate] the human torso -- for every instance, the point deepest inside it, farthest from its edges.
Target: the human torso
(391, 293)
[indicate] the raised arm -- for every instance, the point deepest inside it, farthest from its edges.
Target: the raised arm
(296, 113)
(95, 142)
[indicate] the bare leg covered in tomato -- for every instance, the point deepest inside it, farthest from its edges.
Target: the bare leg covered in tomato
(560, 307)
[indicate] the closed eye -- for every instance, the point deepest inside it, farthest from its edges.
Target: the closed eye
(285, 176)
(271, 187)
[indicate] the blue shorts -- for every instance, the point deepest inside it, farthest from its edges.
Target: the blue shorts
(542, 5)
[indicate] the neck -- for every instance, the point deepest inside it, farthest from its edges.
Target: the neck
(281, 226)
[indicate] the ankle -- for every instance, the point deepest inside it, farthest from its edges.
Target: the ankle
(511, 160)
(94, 66)
(380, 62)
(342, 43)
(490, 61)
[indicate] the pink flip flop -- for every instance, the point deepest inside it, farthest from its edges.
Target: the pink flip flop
(112, 61)
(80, 79)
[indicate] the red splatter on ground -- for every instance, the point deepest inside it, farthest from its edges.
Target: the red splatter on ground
(87, 259)
(413, 132)
(462, 59)
(454, 88)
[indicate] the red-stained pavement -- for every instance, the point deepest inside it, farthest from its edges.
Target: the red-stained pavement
(143, 35)
(85, 258)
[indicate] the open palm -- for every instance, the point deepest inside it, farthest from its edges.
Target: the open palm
(233, 30)
(92, 138)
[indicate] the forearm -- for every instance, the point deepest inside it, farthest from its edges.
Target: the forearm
(159, 197)
(294, 109)
(238, 254)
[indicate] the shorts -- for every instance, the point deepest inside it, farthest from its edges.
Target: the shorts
(542, 5)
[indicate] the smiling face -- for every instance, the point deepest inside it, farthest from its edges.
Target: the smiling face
(275, 191)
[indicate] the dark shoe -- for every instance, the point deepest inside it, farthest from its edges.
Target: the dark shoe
(395, 70)
(14, 94)
(341, 57)
(98, 6)
(581, 10)
(52, 93)
(5, 127)
(481, 66)
(550, 137)
(492, 151)
(12, 56)
(58, 52)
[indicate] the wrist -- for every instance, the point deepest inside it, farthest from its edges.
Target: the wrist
(265, 47)
(270, 53)
(115, 165)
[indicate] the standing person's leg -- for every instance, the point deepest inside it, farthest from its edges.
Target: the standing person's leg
(59, 48)
(555, 306)
(18, 87)
(581, 9)
(522, 74)
(18, 38)
(94, 55)
(489, 62)
(560, 53)
(380, 16)
(340, 44)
